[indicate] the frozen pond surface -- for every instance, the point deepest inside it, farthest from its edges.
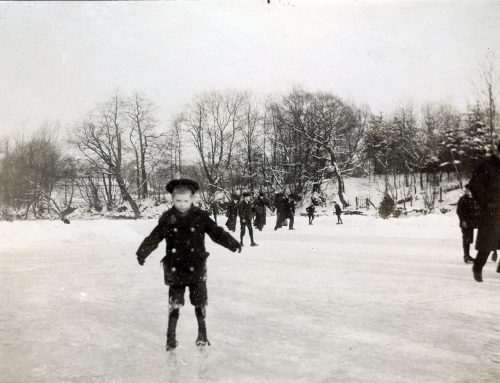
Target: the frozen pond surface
(367, 301)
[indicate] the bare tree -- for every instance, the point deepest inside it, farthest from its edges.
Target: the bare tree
(100, 139)
(332, 129)
(213, 122)
(142, 122)
(29, 171)
(251, 128)
(486, 87)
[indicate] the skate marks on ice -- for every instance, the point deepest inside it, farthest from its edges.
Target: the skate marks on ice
(188, 365)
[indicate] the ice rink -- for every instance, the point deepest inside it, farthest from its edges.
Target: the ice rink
(367, 301)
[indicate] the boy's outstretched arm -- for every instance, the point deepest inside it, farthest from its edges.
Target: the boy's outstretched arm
(220, 236)
(150, 243)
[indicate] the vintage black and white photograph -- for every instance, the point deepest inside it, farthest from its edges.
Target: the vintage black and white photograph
(219, 191)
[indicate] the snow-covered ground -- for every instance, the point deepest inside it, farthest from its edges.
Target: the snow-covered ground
(367, 301)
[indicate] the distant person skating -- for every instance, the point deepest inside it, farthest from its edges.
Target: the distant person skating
(246, 215)
(232, 212)
(338, 212)
(278, 204)
(183, 227)
(469, 215)
(485, 188)
(259, 206)
(289, 211)
(310, 213)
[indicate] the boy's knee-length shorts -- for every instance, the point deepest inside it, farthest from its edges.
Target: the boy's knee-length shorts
(198, 294)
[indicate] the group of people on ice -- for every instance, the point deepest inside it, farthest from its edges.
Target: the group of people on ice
(247, 210)
(479, 208)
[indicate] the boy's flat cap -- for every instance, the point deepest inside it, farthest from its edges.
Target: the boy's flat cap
(183, 182)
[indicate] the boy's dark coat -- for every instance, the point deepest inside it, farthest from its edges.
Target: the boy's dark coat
(310, 210)
(338, 210)
(468, 211)
(185, 260)
(288, 208)
(245, 211)
(485, 188)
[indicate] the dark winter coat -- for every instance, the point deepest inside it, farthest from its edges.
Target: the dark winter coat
(310, 210)
(245, 211)
(485, 188)
(259, 207)
(185, 260)
(468, 211)
(231, 214)
(338, 210)
(288, 208)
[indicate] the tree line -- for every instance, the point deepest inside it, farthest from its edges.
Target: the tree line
(120, 153)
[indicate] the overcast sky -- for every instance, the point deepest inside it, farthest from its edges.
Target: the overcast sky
(58, 59)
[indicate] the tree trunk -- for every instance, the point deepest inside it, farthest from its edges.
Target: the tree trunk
(144, 174)
(126, 195)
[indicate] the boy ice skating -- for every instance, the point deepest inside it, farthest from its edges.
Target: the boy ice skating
(338, 212)
(246, 215)
(310, 213)
(469, 216)
(183, 227)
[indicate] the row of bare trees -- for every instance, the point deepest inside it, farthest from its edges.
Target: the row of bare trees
(287, 143)
(229, 141)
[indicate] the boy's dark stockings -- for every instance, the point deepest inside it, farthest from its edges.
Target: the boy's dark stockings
(201, 340)
(250, 232)
(173, 316)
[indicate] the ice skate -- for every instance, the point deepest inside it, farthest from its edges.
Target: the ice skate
(478, 277)
(202, 341)
(171, 345)
(494, 256)
(468, 259)
(254, 244)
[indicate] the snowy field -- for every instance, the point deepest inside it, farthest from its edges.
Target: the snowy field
(367, 301)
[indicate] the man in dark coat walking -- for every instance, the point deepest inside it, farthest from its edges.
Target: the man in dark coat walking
(279, 204)
(183, 227)
(246, 215)
(259, 207)
(485, 188)
(338, 212)
(232, 212)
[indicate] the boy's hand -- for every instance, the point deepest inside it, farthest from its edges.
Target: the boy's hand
(141, 261)
(239, 248)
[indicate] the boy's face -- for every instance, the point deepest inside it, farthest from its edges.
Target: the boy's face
(182, 201)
